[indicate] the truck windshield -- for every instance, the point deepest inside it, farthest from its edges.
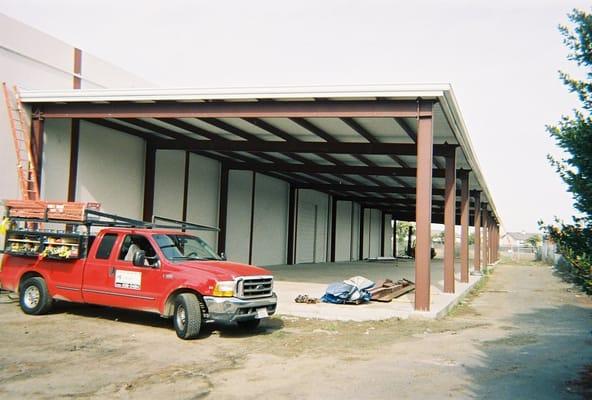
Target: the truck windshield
(184, 247)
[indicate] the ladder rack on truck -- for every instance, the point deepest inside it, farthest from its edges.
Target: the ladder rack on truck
(24, 237)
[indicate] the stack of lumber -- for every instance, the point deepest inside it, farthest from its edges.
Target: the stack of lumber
(388, 290)
(60, 210)
(25, 208)
(69, 211)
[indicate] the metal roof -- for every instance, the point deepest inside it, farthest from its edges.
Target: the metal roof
(123, 110)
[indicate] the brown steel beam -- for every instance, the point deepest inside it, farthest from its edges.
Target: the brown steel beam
(437, 217)
(464, 226)
(403, 149)
(449, 223)
(123, 128)
(291, 109)
(335, 169)
(423, 206)
(370, 188)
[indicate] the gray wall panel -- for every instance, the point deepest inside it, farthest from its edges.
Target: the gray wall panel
(111, 170)
(313, 218)
(202, 195)
(238, 221)
(271, 221)
(343, 231)
(169, 181)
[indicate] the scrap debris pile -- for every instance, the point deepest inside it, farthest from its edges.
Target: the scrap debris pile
(358, 290)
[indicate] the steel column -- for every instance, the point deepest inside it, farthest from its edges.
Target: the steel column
(485, 246)
(464, 226)
(252, 224)
(186, 186)
(291, 225)
(362, 212)
(423, 213)
(74, 145)
(333, 226)
(37, 129)
(223, 207)
(477, 232)
(382, 215)
(149, 171)
(449, 221)
(394, 222)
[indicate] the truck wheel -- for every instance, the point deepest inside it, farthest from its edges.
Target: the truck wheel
(187, 318)
(34, 297)
(249, 325)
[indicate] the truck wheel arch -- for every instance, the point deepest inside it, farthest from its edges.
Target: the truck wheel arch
(27, 275)
(169, 305)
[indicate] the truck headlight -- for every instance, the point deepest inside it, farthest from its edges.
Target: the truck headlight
(224, 289)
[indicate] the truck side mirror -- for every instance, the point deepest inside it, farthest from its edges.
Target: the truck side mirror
(139, 258)
(223, 256)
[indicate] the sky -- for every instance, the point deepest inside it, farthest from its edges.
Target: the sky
(501, 58)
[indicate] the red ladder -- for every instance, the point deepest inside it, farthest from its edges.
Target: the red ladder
(21, 137)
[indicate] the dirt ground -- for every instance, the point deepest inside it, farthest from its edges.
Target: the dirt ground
(526, 334)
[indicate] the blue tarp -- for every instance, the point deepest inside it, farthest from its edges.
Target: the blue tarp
(354, 289)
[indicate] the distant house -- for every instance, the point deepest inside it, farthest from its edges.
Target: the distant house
(516, 239)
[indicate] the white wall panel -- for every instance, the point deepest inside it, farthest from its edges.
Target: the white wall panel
(238, 222)
(111, 170)
(388, 236)
(343, 231)
(270, 226)
(376, 226)
(367, 223)
(202, 195)
(56, 167)
(312, 209)
(355, 249)
(169, 178)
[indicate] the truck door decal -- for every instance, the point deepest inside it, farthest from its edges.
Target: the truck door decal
(128, 279)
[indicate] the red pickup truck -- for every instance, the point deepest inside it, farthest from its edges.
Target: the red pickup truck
(164, 271)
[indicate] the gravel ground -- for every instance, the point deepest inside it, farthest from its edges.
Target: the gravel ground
(525, 334)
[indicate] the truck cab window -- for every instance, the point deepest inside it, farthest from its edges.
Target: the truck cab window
(184, 247)
(135, 243)
(106, 245)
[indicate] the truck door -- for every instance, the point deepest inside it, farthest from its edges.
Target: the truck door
(122, 284)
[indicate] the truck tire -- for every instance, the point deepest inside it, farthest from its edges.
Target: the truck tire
(187, 318)
(249, 325)
(34, 297)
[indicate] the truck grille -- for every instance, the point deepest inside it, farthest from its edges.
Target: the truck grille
(260, 286)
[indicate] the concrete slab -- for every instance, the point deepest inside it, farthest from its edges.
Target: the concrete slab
(312, 279)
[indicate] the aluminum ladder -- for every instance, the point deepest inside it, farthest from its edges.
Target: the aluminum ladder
(20, 129)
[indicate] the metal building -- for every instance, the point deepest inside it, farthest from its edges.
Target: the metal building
(291, 175)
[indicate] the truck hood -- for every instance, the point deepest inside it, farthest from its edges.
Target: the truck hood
(225, 270)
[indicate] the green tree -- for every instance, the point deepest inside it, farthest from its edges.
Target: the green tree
(573, 134)
(534, 241)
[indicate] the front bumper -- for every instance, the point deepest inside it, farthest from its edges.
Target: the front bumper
(231, 309)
